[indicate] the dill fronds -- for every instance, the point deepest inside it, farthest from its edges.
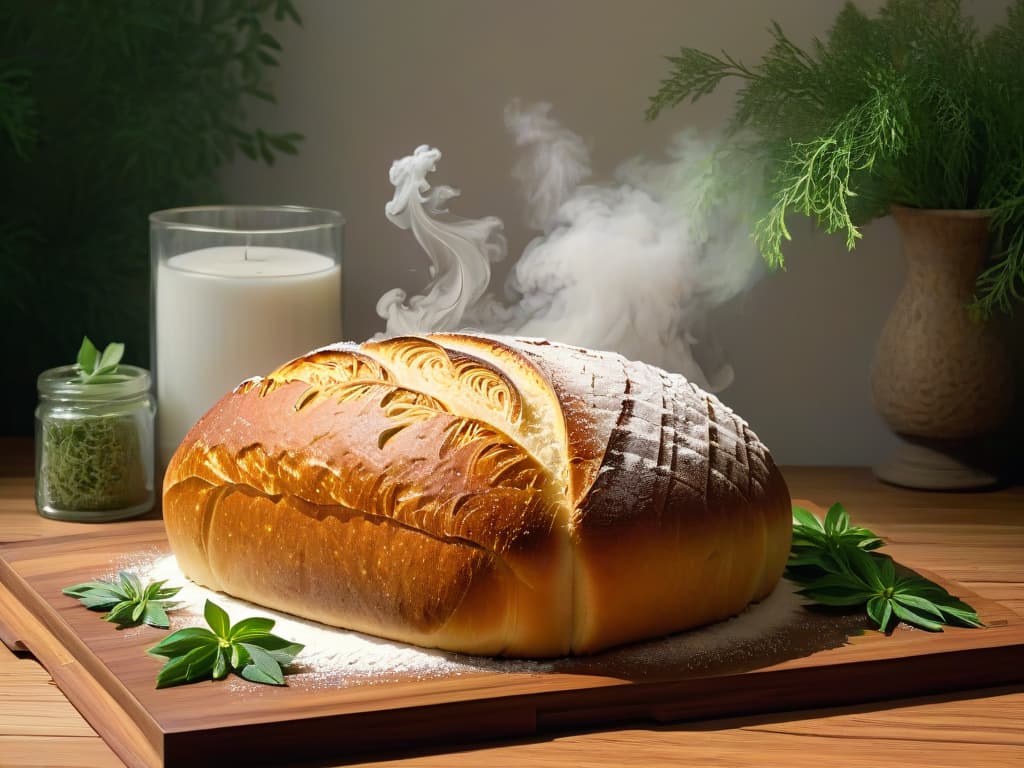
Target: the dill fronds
(912, 107)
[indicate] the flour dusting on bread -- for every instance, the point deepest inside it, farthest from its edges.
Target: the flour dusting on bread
(481, 494)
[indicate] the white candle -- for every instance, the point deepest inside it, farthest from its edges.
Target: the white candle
(226, 314)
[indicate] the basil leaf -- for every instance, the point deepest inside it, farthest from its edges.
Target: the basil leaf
(111, 357)
(864, 567)
(909, 616)
(812, 557)
(863, 537)
(88, 588)
(166, 592)
(968, 618)
(880, 611)
(156, 616)
(264, 668)
(251, 627)
(919, 586)
(99, 603)
(182, 641)
(197, 664)
(835, 564)
(948, 600)
(140, 608)
(285, 656)
(106, 375)
(836, 533)
(806, 519)
(220, 664)
(919, 604)
(838, 589)
(887, 622)
(804, 537)
(886, 569)
(848, 582)
(152, 590)
(131, 585)
(876, 610)
(121, 613)
(805, 544)
(239, 657)
(126, 599)
(269, 642)
(282, 654)
(87, 355)
(254, 674)
(217, 618)
(210, 655)
(836, 520)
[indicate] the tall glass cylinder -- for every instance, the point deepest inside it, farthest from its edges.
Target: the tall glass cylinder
(236, 291)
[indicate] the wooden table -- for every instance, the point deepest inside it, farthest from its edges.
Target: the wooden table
(974, 538)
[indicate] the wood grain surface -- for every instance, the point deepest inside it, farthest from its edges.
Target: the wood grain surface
(975, 539)
(109, 677)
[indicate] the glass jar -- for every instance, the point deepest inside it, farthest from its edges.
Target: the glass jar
(94, 446)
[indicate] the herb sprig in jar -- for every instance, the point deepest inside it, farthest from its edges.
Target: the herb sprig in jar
(94, 438)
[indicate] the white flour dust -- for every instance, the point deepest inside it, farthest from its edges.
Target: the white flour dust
(338, 658)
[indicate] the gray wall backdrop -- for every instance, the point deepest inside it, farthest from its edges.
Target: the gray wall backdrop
(366, 81)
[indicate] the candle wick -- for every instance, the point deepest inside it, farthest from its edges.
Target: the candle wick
(245, 253)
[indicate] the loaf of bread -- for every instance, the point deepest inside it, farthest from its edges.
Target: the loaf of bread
(480, 494)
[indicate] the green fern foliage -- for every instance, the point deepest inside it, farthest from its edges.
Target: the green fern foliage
(910, 107)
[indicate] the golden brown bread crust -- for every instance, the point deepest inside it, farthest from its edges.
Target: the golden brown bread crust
(480, 494)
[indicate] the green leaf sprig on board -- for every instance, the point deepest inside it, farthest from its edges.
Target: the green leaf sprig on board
(837, 565)
(97, 367)
(129, 602)
(248, 648)
(912, 106)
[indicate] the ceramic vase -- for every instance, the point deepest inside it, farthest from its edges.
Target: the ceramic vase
(941, 379)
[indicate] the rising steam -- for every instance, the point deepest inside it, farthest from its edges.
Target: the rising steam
(460, 251)
(632, 266)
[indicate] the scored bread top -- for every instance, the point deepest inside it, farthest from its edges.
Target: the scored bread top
(587, 497)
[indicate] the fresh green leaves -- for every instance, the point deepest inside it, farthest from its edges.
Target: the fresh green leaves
(694, 74)
(912, 106)
(248, 648)
(836, 565)
(129, 602)
(818, 544)
(195, 653)
(97, 367)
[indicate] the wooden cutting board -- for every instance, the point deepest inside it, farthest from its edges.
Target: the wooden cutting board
(820, 660)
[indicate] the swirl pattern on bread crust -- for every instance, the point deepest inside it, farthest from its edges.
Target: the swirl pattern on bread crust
(480, 494)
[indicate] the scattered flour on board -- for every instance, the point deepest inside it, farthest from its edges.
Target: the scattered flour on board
(338, 658)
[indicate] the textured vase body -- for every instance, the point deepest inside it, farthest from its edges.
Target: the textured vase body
(938, 374)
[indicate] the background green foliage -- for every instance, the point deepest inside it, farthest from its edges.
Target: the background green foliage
(109, 110)
(911, 107)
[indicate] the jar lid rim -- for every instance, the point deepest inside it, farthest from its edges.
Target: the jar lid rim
(63, 380)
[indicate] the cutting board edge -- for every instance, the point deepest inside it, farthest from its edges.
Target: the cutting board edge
(512, 714)
(122, 734)
(68, 644)
(541, 714)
